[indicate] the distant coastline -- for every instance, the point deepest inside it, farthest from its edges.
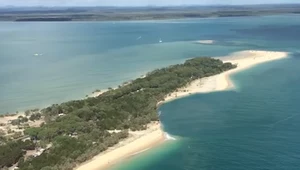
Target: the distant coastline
(140, 13)
(43, 19)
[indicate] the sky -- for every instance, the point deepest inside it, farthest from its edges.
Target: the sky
(136, 2)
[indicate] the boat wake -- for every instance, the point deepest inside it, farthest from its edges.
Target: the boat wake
(282, 120)
(139, 37)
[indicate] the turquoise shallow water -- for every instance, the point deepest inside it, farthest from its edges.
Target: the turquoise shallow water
(141, 160)
(76, 58)
(252, 128)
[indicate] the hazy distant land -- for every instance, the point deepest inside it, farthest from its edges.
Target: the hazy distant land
(139, 13)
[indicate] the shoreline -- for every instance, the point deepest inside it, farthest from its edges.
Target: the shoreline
(140, 141)
(222, 81)
(136, 143)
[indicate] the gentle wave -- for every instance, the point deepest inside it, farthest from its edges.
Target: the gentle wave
(159, 113)
(136, 153)
(169, 137)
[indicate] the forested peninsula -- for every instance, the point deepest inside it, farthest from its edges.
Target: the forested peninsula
(75, 131)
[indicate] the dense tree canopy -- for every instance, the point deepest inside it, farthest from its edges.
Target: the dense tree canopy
(13, 151)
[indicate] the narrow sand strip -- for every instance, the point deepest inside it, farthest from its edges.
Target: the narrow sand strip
(244, 60)
(142, 140)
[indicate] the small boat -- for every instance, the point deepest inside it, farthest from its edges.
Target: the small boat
(160, 41)
(37, 54)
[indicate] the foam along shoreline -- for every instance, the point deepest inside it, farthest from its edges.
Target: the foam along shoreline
(137, 142)
(220, 82)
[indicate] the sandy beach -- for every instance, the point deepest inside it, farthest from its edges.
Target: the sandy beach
(243, 59)
(5, 125)
(136, 142)
(98, 93)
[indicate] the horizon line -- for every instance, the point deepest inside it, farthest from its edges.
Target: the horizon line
(145, 6)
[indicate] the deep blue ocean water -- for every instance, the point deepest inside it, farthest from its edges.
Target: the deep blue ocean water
(255, 127)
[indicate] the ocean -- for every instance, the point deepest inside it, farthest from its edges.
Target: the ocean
(254, 127)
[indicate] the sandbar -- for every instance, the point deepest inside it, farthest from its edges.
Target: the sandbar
(220, 82)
